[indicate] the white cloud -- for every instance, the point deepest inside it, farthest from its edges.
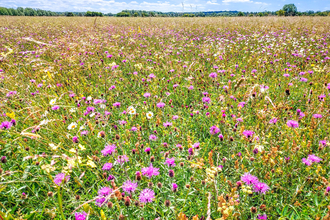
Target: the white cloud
(211, 3)
(235, 1)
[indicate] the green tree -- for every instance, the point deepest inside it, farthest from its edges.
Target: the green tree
(240, 14)
(3, 11)
(280, 13)
(290, 10)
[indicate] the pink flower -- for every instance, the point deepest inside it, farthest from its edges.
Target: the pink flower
(150, 171)
(292, 124)
(160, 105)
(147, 195)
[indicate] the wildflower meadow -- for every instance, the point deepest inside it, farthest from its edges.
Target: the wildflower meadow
(164, 118)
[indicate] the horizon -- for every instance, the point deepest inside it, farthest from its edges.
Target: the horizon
(111, 6)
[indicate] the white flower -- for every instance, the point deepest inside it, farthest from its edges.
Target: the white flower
(89, 98)
(45, 114)
(72, 110)
(102, 106)
(131, 110)
(82, 127)
(53, 146)
(73, 125)
(44, 122)
(150, 115)
(260, 148)
(52, 102)
(91, 115)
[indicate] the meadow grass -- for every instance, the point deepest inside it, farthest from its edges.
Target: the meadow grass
(164, 118)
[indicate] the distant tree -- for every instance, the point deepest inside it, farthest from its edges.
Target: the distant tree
(240, 14)
(290, 10)
(3, 11)
(260, 14)
(13, 11)
(69, 14)
(251, 15)
(280, 13)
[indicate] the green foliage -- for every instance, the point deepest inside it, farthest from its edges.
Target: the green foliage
(280, 12)
(93, 14)
(240, 14)
(290, 10)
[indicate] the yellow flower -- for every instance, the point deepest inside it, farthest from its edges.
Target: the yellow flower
(81, 147)
(91, 164)
(47, 168)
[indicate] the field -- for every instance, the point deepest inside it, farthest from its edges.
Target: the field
(164, 118)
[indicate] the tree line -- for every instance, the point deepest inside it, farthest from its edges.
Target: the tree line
(287, 10)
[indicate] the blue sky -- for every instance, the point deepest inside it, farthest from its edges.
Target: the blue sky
(115, 6)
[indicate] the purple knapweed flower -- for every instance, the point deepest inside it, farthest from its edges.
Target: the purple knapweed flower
(147, 195)
(108, 149)
(170, 162)
(150, 171)
(80, 215)
(249, 179)
(129, 186)
(292, 124)
(107, 166)
(61, 178)
(214, 130)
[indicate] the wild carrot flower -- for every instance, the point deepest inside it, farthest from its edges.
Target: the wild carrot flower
(147, 195)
